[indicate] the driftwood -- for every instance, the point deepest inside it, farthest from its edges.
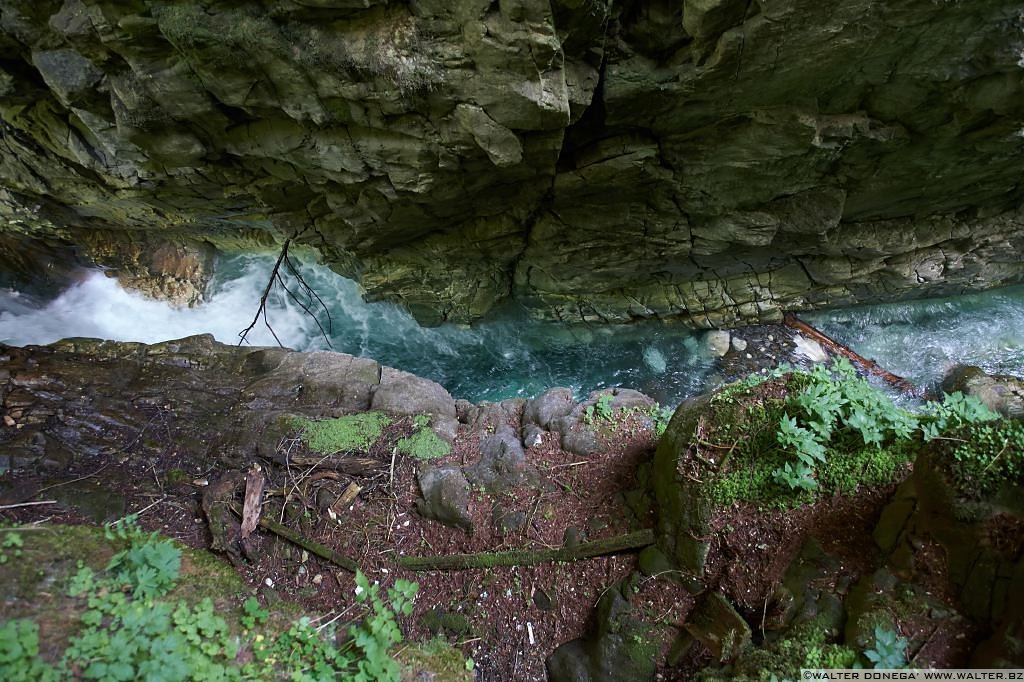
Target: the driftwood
(529, 557)
(870, 366)
(303, 542)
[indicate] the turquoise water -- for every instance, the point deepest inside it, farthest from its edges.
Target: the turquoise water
(509, 355)
(921, 340)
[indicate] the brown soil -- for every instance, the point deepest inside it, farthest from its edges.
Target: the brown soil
(516, 616)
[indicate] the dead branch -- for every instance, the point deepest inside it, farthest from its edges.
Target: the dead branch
(304, 542)
(275, 276)
(529, 557)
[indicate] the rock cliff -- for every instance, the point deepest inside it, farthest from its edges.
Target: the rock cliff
(711, 160)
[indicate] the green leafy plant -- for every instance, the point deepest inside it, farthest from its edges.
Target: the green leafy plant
(955, 411)
(12, 542)
(130, 629)
(835, 408)
(889, 651)
(987, 454)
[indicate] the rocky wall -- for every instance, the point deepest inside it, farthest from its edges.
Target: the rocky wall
(709, 160)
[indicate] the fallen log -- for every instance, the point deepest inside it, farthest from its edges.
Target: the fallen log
(870, 366)
(304, 542)
(529, 557)
(353, 466)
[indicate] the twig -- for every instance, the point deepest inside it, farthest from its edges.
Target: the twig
(74, 480)
(1006, 444)
(26, 504)
(262, 310)
(150, 506)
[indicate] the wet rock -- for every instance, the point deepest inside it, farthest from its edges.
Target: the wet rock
(619, 647)
(1001, 393)
(716, 624)
(502, 462)
(739, 345)
(445, 498)
(717, 342)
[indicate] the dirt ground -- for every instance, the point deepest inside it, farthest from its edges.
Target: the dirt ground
(507, 619)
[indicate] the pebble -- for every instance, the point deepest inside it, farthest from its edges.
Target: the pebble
(739, 345)
(8, 420)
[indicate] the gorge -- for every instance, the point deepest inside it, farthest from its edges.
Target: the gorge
(549, 246)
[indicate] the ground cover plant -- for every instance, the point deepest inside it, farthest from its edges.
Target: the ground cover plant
(131, 627)
(783, 438)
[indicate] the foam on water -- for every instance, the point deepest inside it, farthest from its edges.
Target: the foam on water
(509, 355)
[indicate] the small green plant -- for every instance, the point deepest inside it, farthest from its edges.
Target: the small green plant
(12, 542)
(604, 406)
(889, 651)
(987, 454)
(351, 432)
(955, 411)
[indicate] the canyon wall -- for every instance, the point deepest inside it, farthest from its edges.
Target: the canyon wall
(715, 161)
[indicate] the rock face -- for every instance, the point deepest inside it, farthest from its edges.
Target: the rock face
(709, 160)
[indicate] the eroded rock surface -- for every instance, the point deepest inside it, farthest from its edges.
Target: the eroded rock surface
(715, 161)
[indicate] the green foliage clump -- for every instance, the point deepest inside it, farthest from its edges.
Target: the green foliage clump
(889, 651)
(804, 646)
(601, 409)
(130, 629)
(987, 454)
(954, 412)
(351, 432)
(13, 543)
(837, 410)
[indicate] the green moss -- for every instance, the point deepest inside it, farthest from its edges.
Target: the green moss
(351, 432)
(436, 658)
(424, 444)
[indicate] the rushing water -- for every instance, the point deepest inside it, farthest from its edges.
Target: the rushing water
(509, 355)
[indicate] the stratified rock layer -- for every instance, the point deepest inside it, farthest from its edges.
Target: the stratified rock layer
(711, 160)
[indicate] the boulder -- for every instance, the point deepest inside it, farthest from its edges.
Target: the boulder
(445, 497)
(1002, 393)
